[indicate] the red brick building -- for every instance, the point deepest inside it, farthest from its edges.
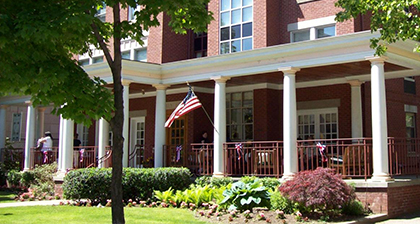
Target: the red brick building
(276, 77)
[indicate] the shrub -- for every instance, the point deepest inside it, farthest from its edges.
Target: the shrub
(41, 179)
(320, 189)
(138, 184)
(353, 207)
(270, 182)
(3, 176)
(13, 177)
(241, 196)
(213, 181)
(27, 178)
(279, 202)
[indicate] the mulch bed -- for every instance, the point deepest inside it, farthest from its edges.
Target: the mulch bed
(270, 218)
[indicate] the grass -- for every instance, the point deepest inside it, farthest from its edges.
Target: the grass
(7, 197)
(93, 215)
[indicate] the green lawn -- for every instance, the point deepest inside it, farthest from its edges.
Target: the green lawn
(93, 215)
(7, 197)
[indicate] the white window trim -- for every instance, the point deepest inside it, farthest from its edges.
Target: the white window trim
(230, 25)
(20, 128)
(311, 25)
(317, 123)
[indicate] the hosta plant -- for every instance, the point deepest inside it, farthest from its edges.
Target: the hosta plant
(245, 196)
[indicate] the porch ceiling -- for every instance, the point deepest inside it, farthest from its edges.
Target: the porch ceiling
(305, 75)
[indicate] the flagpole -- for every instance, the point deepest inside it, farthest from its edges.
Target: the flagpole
(205, 111)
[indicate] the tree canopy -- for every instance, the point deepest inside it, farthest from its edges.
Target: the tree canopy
(395, 19)
(38, 42)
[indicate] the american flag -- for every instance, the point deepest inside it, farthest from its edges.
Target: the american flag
(321, 148)
(187, 105)
(238, 147)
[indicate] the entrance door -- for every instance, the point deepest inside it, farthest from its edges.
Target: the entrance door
(176, 149)
(137, 133)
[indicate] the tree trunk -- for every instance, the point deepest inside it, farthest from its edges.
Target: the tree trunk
(117, 126)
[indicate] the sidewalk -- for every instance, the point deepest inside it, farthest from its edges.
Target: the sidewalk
(413, 218)
(32, 203)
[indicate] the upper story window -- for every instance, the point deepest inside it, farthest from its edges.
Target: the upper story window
(200, 45)
(101, 12)
(312, 29)
(410, 85)
(131, 11)
(235, 26)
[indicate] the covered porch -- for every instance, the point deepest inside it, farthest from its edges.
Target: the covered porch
(285, 82)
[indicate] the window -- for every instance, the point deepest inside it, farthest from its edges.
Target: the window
(410, 125)
(200, 45)
(301, 36)
(131, 11)
(325, 32)
(312, 29)
(97, 59)
(110, 141)
(125, 55)
(410, 85)
(83, 133)
(319, 123)
(235, 26)
(239, 116)
(84, 62)
(16, 126)
(101, 13)
(140, 54)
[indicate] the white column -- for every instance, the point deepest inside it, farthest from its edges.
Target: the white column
(60, 145)
(289, 122)
(103, 139)
(219, 124)
(356, 109)
(40, 122)
(126, 101)
(68, 131)
(160, 118)
(2, 126)
(30, 134)
(379, 120)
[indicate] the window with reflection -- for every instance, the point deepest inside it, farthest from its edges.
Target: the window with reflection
(235, 26)
(239, 116)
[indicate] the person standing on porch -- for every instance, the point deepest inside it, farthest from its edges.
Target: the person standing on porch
(46, 141)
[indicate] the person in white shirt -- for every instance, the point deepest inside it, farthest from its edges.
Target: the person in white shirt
(47, 142)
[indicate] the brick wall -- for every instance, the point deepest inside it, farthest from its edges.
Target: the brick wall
(267, 115)
(395, 100)
(338, 91)
(403, 200)
(393, 201)
(376, 199)
(148, 104)
(213, 29)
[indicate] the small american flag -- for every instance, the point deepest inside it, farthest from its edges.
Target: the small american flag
(82, 151)
(238, 147)
(322, 151)
(187, 105)
(178, 152)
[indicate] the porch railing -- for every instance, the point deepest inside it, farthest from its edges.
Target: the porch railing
(85, 156)
(350, 157)
(200, 158)
(39, 158)
(136, 157)
(253, 158)
(404, 156)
